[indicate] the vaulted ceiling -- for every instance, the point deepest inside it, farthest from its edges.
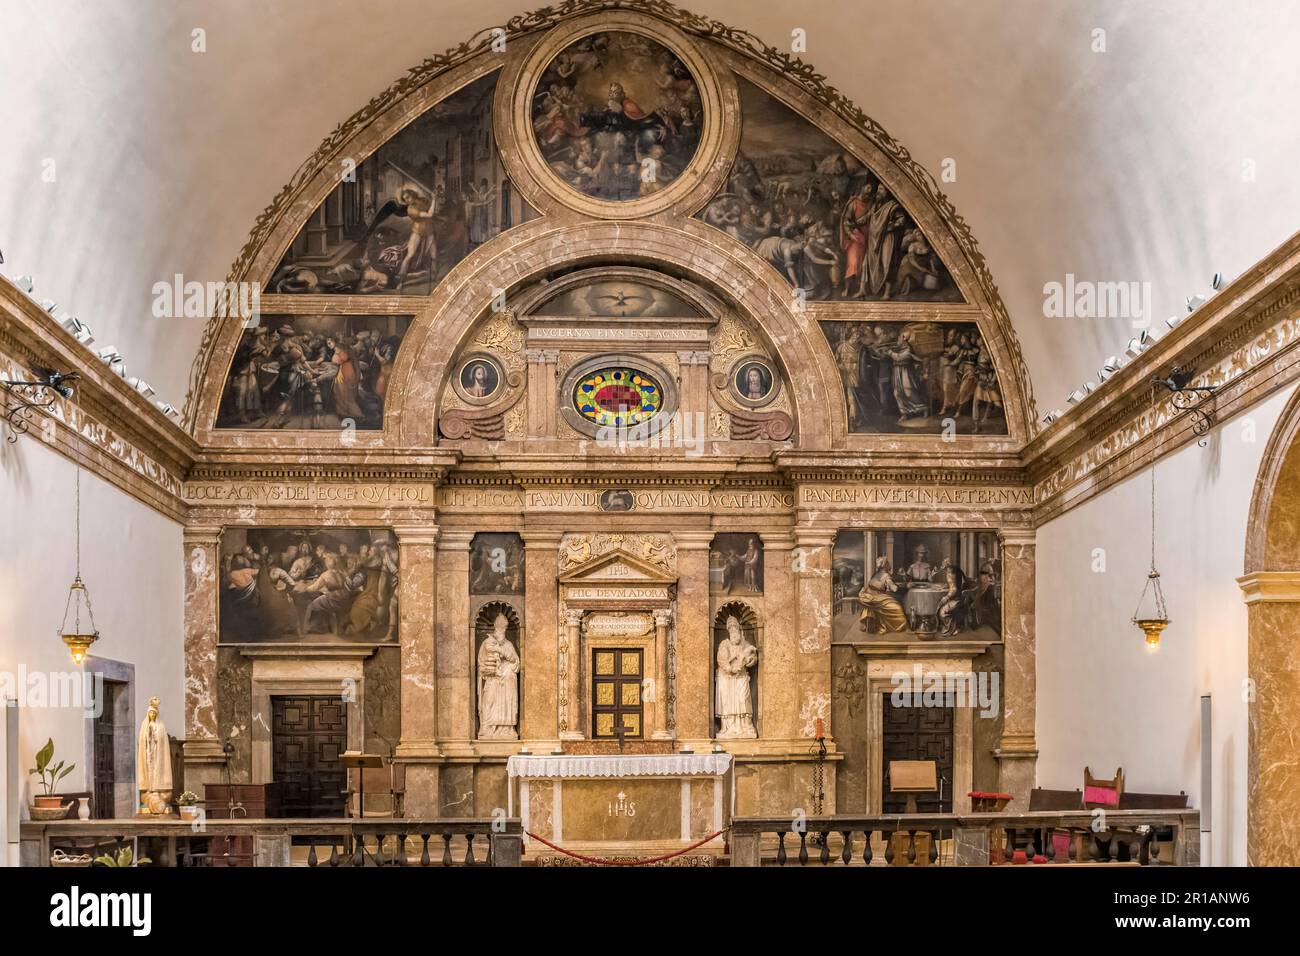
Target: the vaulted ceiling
(1167, 157)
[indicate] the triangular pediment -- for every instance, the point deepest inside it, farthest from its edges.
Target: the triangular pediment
(617, 567)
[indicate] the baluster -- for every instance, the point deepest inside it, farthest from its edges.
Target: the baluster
(780, 848)
(334, 854)
(401, 849)
(826, 847)
(803, 847)
(1009, 843)
(1113, 847)
(469, 849)
(888, 836)
(866, 848)
(846, 854)
(911, 848)
(446, 849)
(1049, 846)
(311, 854)
(424, 853)
(934, 846)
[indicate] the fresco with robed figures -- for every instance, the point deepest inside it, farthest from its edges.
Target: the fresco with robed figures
(917, 584)
(403, 216)
(819, 216)
(310, 585)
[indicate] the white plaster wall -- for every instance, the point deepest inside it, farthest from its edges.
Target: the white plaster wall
(1104, 701)
(132, 564)
(1124, 166)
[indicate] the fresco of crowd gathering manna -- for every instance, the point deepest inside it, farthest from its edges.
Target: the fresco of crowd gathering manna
(921, 584)
(917, 377)
(819, 216)
(406, 214)
(312, 372)
(308, 585)
(617, 116)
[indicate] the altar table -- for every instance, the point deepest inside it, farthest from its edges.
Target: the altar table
(621, 798)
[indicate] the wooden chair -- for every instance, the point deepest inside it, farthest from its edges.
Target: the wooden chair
(385, 792)
(1102, 792)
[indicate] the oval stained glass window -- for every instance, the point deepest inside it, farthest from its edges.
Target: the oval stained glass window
(618, 396)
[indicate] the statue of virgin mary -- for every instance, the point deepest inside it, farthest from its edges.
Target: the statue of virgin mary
(153, 763)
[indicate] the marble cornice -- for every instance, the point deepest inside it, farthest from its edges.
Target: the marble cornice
(107, 425)
(1242, 340)
(1270, 587)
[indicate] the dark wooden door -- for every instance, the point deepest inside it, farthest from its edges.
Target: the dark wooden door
(918, 733)
(308, 734)
(104, 796)
(616, 675)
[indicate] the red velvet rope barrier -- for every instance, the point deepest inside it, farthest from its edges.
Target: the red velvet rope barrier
(603, 861)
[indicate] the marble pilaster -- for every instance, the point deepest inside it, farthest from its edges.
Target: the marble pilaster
(539, 715)
(1017, 752)
(811, 561)
(778, 685)
(204, 759)
(417, 610)
(694, 636)
(1272, 761)
(453, 638)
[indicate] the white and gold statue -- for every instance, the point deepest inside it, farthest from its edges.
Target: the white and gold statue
(153, 763)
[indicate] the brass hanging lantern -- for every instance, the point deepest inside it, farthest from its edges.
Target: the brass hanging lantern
(76, 637)
(1151, 615)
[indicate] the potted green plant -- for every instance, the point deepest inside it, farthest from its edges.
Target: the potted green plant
(50, 775)
(123, 857)
(189, 805)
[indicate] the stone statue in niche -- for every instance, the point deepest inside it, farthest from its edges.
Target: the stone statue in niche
(498, 685)
(734, 700)
(153, 763)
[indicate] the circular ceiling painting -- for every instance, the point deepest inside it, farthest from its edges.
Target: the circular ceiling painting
(617, 115)
(620, 397)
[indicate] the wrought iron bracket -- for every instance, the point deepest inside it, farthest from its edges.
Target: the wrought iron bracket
(21, 397)
(1197, 401)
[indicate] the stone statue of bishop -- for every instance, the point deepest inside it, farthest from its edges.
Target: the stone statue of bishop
(498, 686)
(735, 702)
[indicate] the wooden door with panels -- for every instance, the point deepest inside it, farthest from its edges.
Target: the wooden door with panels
(616, 698)
(308, 735)
(918, 733)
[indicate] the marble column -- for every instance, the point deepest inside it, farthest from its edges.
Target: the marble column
(1272, 761)
(204, 759)
(1017, 752)
(540, 716)
(417, 610)
(815, 600)
(778, 682)
(454, 638)
(694, 401)
(663, 723)
(569, 713)
(694, 708)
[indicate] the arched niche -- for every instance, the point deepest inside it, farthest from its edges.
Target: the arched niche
(751, 627)
(1271, 586)
(484, 623)
(721, 261)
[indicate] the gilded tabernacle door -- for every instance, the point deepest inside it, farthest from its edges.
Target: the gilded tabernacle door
(617, 655)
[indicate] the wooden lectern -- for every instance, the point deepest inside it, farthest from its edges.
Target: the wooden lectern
(911, 777)
(353, 760)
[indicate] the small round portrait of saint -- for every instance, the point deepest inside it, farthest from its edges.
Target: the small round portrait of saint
(479, 380)
(753, 382)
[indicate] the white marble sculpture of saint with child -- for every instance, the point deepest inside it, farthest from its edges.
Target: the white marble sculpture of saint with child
(734, 700)
(498, 687)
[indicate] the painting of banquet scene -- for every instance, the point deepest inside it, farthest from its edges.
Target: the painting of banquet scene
(617, 116)
(312, 371)
(917, 377)
(308, 585)
(402, 217)
(926, 585)
(820, 217)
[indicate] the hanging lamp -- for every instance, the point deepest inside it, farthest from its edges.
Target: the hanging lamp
(1151, 615)
(77, 639)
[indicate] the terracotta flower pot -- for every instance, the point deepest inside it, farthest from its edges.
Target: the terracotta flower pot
(48, 803)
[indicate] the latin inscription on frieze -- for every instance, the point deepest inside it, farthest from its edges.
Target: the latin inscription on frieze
(902, 496)
(308, 493)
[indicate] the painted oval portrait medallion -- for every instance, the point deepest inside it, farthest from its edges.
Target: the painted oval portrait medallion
(620, 397)
(617, 115)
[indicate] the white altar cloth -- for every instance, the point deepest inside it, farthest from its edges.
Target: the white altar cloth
(551, 766)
